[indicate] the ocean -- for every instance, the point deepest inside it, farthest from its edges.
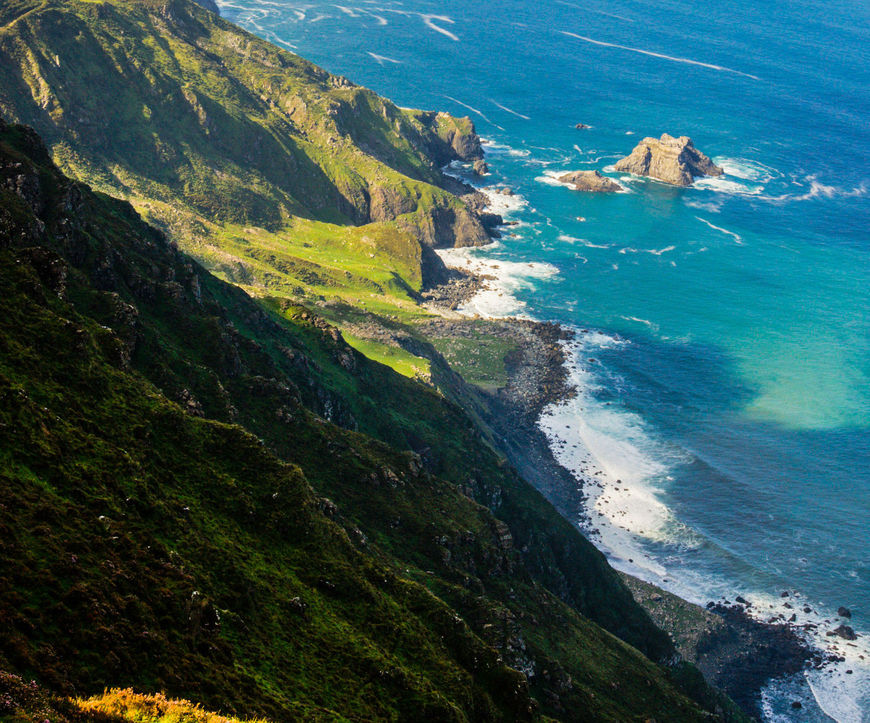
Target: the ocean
(723, 350)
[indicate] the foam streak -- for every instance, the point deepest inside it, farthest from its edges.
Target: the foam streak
(508, 110)
(688, 61)
(737, 237)
(428, 19)
(381, 59)
(473, 110)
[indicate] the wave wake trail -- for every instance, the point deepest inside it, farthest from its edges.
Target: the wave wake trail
(508, 110)
(689, 61)
(736, 236)
(381, 59)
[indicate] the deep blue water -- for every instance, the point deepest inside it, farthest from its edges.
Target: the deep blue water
(725, 380)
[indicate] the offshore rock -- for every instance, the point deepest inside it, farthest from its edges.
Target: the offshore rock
(591, 181)
(672, 160)
(845, 632)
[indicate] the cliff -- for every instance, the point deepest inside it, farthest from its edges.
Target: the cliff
(171, 107)
(214, 496)
(203, 496)
(668, 159)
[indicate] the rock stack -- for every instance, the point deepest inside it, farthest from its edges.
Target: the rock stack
(672, 160)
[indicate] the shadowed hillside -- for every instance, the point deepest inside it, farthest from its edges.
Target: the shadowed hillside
(151, 541)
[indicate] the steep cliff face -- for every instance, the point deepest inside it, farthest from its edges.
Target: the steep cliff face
(150, 540)
(672, 160)
(451, 139)
(161, 100)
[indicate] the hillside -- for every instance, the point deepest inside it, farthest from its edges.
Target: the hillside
(202, 126)
(214, 496)
(145, 545)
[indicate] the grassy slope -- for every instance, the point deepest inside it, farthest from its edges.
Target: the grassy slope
(256, 162)
(204, 126)
(118, 506)
(234, 87)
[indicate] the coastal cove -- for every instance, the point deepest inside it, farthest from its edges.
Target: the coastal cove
(720, 424)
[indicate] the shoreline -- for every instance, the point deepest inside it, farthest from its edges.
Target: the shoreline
(737, 653)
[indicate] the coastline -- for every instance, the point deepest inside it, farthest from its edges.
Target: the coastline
(738, 654)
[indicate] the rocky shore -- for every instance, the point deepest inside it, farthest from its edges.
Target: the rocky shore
(737, 653)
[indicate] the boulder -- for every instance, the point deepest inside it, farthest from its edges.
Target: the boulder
(672, 160)
(845, 632)
(581, 126)
(844, 612)
(591, 181)
(480, 168)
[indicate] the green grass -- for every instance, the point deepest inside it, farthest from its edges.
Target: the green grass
(394, 357)
(166, 446)
(275, 175)
(177, 437)
(480, 360)
(213, 127)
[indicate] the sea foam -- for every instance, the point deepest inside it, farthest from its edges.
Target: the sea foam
(623, 470)
(612, 453)
(497, 299)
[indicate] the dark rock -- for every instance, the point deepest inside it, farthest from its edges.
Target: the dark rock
(797, 705)
(844, 612)
(742, 601)
(845, 632)
(480, 168)
(581, 126)
(298, 605)
(742, 655)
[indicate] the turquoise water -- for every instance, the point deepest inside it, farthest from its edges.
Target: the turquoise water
(725, 378)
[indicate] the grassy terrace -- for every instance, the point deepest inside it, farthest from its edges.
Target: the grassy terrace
(479, 360)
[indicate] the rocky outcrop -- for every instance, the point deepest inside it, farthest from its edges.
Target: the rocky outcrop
(448, 138)
(209, 5)
(672, 160)
(591, 181)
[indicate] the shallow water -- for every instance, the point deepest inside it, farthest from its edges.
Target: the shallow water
(725, 381)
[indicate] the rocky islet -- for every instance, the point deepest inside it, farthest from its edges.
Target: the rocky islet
(671, 160)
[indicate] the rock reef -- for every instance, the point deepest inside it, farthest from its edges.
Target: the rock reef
(591, 181)
(672, 160)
